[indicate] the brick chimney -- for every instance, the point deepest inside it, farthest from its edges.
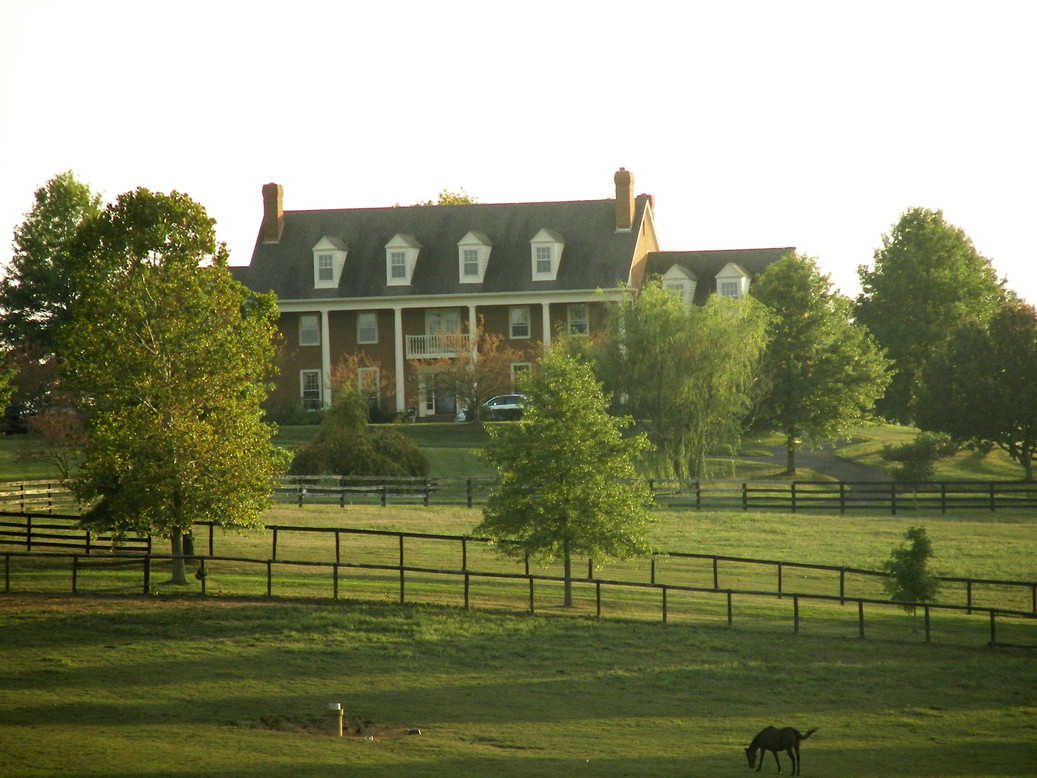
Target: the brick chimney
(624, 199)
(273, 213)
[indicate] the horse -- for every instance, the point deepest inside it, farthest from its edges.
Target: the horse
(775, 740)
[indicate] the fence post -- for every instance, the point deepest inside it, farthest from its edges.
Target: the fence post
(993, 627)
(968, 595)
(402, 574)
(893, 498)
(730, 610)
(793, 493)
(75, 573)
(532, 610)
(653, 568)
(467, 606)
(28, 529)
(716, 573)
(273, 554)
(597, 597)
(842, 497)
(269, 578)
(993, 498)
(201, 574)
(147, 573)
(334, 576)
(428, 490)
(927, 625)
(664, 604)
(7, 573)
(698, 494)
(842, 586)
(780, 590)
(212, 539)
(468, 490)
(464, 553)
(745, 496)
(385, 495)
(795, 614)
(860, 617)
(338, 547)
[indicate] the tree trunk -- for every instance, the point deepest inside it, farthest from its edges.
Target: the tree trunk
(568, 601)
(790, 455)
(179, 571)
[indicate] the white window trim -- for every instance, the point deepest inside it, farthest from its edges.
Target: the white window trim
(315, 317)
(409, 247)
(364, 386)
(317, 402)
(575, 320)
(479, 243)
(546, 239)
(360, 316)
(731, 273)
(525, 320)
(337, 251)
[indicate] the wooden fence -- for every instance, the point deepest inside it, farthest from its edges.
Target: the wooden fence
(843, 583)
(795, 496)
(658, 593)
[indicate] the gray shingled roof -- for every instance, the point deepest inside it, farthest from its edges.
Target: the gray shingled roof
(704, 265)
(595, 255)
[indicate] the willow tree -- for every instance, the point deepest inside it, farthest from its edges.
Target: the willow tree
(566, 477)
(687, 374)
(170, 358)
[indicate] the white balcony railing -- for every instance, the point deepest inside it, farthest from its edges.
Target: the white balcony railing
(437, 346)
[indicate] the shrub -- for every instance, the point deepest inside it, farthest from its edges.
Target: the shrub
(918, 459)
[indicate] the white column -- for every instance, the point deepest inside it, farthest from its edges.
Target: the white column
(325, 355)
(545, 312)
(473, 331)
(397, 314)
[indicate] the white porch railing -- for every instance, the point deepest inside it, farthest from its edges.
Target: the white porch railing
(437, 346)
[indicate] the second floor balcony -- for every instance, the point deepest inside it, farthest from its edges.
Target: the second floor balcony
(437, 346)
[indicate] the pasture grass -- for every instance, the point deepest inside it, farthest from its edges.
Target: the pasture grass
(233, 687)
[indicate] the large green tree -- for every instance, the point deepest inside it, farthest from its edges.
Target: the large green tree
(687, 374)
(824, 372)
(37, 287)
(927, 279)
(981, 387)
(567, 482)
(170, 357)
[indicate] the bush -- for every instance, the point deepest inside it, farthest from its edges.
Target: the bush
(919, 458)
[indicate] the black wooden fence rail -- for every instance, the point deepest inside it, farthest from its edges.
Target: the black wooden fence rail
(832, 496)
(27, 531)
(146, 562)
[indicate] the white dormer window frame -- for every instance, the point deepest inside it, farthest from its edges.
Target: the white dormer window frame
(473, 256)
(546, 254)
(681, 282)
(732, 282)
(401, 255)
(329, 258)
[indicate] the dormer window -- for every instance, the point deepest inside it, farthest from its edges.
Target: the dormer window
(681, 282)
(546, 249)
(732, 282)
(401, 255)
(329, 257)
(473, 255)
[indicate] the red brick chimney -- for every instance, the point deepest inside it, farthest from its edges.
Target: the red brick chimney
(624, 199)
(273, 213)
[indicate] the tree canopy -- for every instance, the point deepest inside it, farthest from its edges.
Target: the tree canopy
(170, 358)
(686, 374)
(910, 580)
(567, 483)
(981, 387)
(927, 279)
(823, 371)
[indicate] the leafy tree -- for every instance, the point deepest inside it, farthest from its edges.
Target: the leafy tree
(687, 375)
(446, 197)
(928, 278)
(474, 375)
(37, 288)
(566, 478)
(910, 580)
(170, 357)
(981, 388)
(823, 371)
(918, 458)
(345, 445)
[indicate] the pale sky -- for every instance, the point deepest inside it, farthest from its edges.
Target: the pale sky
(754, 124)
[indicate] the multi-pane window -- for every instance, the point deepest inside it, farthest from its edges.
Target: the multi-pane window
(729, 289)
(397, 264)
(309, 329)
(367, 327)
(544, 258)
(518, 371)
(470, 263)
(325, 267)
(579, 321)
(519, 321)
(312, 394)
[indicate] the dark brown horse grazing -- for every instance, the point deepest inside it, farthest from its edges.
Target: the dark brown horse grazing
(774, 739)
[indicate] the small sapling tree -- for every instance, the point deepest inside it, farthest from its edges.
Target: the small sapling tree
(911, 581)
